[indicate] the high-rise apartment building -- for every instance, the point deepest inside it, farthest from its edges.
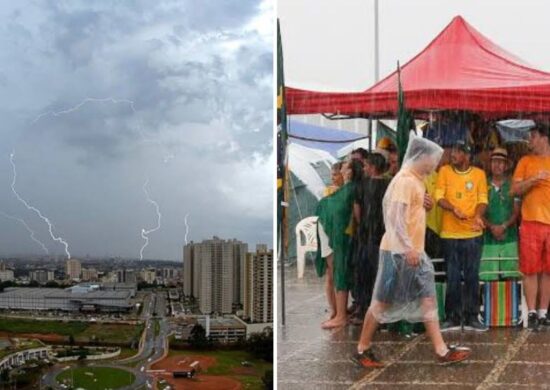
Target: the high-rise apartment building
(258, 286)
(212, 274)
(262, 285)
(126, 276)
(73, 269)
(239, 256)
(188, 269)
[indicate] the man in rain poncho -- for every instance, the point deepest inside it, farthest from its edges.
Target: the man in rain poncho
(405, 286)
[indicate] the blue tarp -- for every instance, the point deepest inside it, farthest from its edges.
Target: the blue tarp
(515, 130)
(447, 133)
(305, 130)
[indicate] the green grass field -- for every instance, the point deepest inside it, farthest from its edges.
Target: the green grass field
(96, 378)
(81, 331)
(114, 333)
(17, 325)
(228, 361)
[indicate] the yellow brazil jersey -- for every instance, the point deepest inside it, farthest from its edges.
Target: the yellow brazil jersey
(465, 191)
(433, 217)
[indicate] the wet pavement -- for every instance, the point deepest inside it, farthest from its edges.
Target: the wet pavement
(312, 358)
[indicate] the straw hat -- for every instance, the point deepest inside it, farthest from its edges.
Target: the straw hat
(499, 153)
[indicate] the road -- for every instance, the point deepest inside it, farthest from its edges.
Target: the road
(151, 346)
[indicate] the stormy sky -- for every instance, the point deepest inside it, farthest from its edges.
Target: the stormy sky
(98, 98)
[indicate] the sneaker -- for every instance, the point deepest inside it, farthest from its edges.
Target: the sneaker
(544, 322)
(367, 359)
(532, 321)
(352, 308)
(454, 355)
(450, 324)
(475, 325)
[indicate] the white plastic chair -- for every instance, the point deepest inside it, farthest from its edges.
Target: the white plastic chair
(306, 241)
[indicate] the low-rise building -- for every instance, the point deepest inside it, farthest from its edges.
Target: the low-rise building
(223, 329)
(89, 274)
(7, 275)
(148, 275)
(76, 298)
(16, 353)
(41, 276)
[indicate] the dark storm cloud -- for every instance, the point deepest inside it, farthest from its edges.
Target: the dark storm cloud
(199, 76)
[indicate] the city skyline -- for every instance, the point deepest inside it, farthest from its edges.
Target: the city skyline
(110, 109)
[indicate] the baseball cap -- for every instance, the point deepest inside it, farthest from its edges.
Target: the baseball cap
(462, 145)
(543, 128)
(383, 152)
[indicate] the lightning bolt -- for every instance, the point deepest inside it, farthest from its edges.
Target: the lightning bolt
(31, 232)
(82, 103)
(29, 207)
(166, 158)
(145, 233)
(186, 228)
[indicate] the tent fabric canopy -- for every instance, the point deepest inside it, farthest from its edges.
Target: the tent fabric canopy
(459, 70)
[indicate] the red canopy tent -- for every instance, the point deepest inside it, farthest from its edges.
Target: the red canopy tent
(459, 70)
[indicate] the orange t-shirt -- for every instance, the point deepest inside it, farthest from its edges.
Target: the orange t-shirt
(406, 188)
(535, 205)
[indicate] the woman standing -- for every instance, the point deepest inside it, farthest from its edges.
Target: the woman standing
(333, 240)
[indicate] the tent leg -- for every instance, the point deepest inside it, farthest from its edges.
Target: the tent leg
(282, 265)
(370, 135)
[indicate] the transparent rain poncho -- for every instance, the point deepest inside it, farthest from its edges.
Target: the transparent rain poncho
(403, 291)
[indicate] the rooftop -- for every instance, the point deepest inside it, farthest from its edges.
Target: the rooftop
(52, 293)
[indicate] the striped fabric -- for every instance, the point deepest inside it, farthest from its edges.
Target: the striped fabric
(501, 302)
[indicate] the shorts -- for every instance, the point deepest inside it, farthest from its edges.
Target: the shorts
(400, 283)
(326, 250)
(534, 247)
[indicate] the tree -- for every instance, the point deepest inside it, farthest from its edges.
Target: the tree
(261, 345)
(267, 379)
(198, 339)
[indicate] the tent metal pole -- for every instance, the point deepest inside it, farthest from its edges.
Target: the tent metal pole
(282, 263)
(376, 44)
(370, 134)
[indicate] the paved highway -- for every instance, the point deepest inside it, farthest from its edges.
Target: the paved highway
(151, 346)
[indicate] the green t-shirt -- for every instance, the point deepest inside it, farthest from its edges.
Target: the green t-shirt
(499, 210)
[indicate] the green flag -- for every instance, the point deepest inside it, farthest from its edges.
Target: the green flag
(282, 139)
(282, 136)
(405, 120)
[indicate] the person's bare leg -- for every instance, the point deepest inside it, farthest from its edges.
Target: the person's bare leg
(544, 291)
(341, 311)
(530, 289)
(329, 289)
(431, 323)
(367, 332)
(434, 333)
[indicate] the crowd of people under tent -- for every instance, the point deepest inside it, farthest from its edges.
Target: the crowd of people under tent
(381, 222)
